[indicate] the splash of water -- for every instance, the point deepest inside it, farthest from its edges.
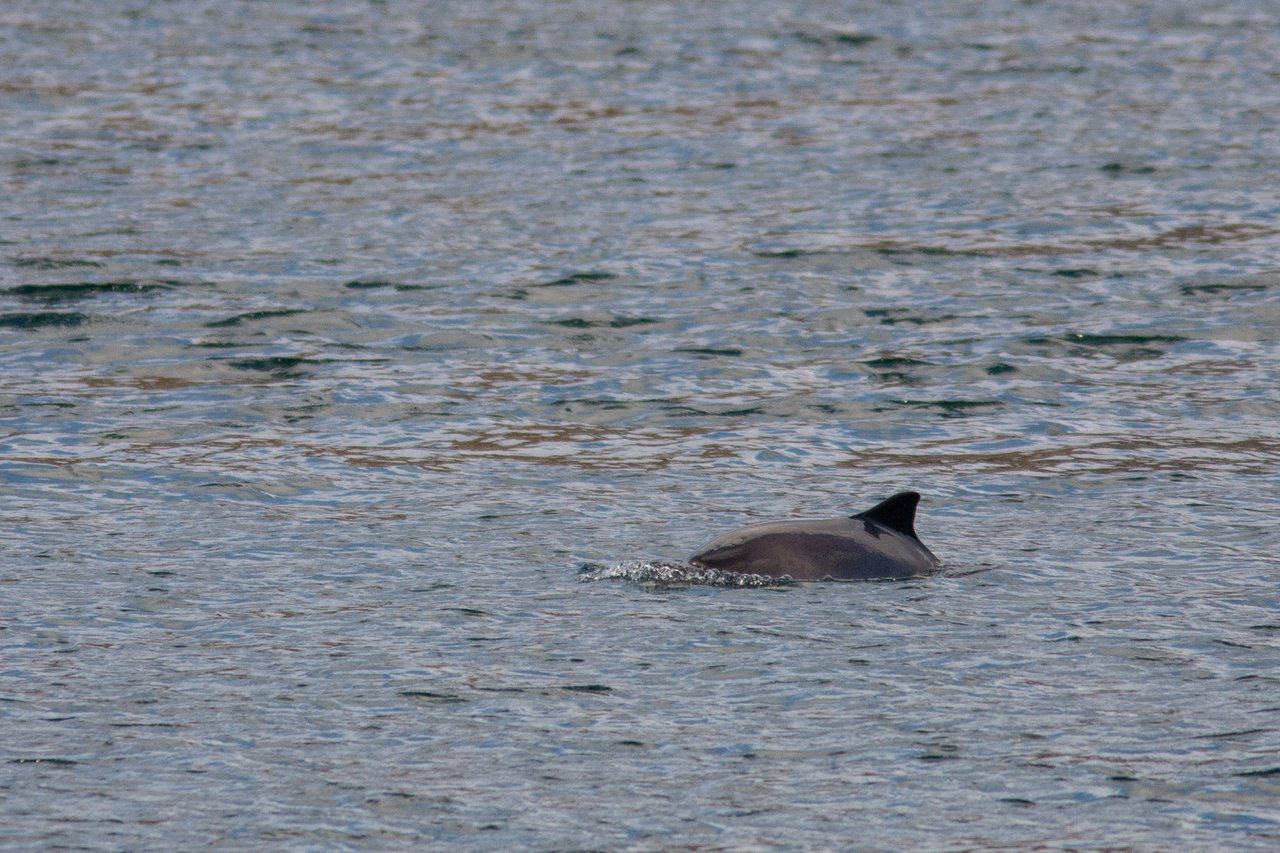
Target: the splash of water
(668, 575)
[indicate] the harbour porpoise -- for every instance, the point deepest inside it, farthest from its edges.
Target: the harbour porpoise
(879, 543)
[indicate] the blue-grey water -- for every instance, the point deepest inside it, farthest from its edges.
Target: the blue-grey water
(337, 338)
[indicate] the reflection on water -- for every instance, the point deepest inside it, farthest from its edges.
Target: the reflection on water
(336, 339)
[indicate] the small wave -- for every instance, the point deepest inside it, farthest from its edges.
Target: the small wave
(668, 575)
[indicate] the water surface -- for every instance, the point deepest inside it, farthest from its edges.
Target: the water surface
(335, 338)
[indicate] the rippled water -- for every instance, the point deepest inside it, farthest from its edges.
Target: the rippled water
(337, 338)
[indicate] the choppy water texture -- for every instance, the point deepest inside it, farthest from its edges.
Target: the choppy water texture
(336, 338)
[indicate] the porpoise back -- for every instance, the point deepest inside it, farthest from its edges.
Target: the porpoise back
(879, 543)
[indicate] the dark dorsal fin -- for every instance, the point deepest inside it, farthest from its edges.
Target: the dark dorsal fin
(897, 513)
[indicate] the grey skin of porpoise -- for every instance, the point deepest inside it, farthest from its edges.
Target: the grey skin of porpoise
(880, 543)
